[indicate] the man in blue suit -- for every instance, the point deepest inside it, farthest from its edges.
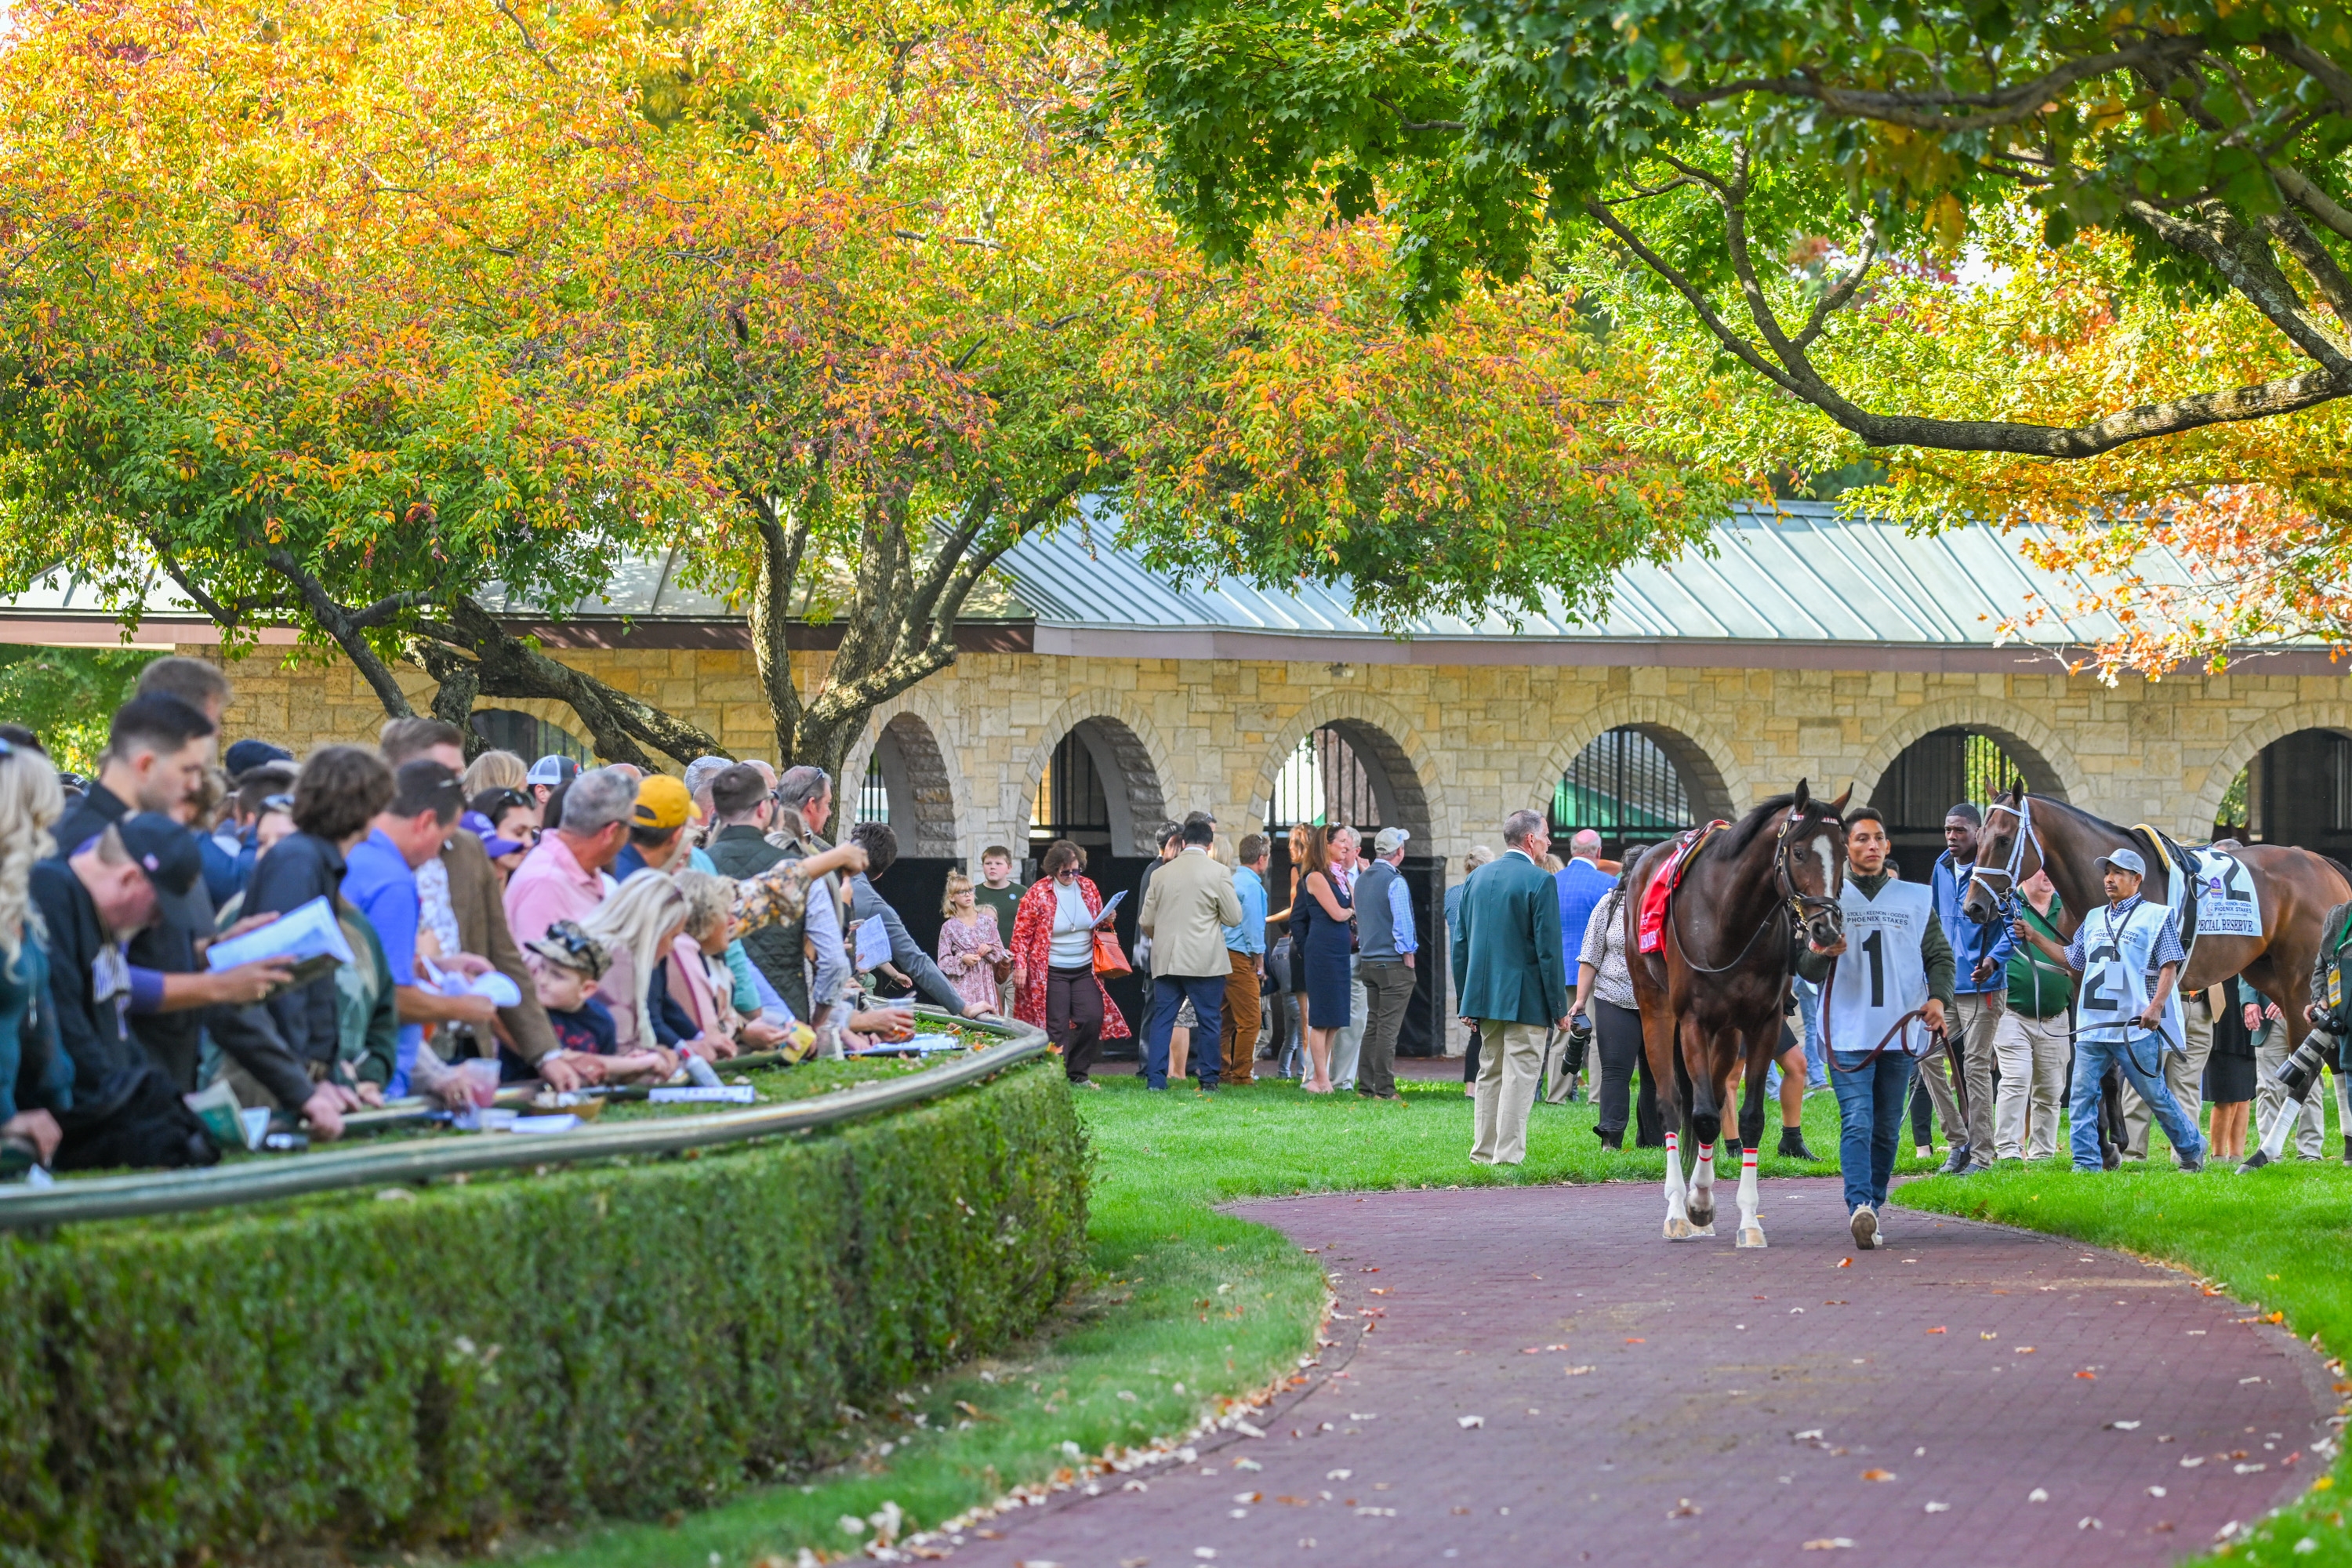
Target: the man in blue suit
(1511, 974)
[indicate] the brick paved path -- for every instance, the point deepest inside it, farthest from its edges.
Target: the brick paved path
(1762, 1387)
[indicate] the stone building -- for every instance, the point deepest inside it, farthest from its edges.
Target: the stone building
(1807, 645)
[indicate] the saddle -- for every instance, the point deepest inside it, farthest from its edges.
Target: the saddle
(2181, 886)
(1651, 936)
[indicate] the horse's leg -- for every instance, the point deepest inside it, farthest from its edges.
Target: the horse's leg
(1658, 1055)
(1751, 1131)
(1704, 1087)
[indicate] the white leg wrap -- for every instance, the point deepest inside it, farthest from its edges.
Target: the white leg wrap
(1678, 1225)
(1751, 1202)
(2282, 1126)
(1702, 1198)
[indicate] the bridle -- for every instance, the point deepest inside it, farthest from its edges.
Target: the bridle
(2014, 872)
(1792, 902)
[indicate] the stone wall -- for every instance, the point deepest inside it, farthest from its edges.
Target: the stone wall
(1463, 745)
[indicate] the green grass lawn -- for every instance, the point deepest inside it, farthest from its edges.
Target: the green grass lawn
(1187, 1305)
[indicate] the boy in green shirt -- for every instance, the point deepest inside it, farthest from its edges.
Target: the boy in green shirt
(999, 891)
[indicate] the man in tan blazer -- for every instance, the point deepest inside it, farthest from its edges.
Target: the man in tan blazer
(1185, 912)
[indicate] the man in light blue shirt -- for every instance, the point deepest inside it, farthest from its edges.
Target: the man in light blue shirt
(1246, 946)
(1980, 992)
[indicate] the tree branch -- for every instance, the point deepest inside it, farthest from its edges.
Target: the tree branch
(336, 621)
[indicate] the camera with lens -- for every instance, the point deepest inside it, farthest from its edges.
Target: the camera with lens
(1579, 1042)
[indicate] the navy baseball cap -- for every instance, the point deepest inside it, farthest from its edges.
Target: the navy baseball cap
(167, 852)
(246, 755)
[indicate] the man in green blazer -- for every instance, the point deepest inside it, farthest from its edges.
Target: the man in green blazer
(1509, 972)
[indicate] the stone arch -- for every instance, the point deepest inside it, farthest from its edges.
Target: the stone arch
(2243, 748)
(918, 774)
(1404, 782)
(1127, 751)
(1702, 754)
(2036, 749)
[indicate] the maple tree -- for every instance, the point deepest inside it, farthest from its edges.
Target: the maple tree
(340, 324)
(2080, 269)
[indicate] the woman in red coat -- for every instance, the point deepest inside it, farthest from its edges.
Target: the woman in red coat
(1054, 962)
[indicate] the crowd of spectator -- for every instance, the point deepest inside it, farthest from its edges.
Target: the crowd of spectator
(522, 920)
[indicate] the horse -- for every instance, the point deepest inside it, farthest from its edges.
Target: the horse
(2293, 889)
(1710, 997)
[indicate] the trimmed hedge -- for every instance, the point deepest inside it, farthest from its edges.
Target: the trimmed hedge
(619, 1339)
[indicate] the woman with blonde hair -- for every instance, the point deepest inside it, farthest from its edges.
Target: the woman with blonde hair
(495, 770)
(638, 925)
(36, 1077)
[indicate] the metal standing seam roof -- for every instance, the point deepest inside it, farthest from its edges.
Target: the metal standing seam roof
(1800, 573)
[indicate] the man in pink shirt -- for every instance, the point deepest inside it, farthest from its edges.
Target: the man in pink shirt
(561, 879)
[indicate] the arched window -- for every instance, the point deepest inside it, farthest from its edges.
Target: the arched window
(1070, 803)
(1934, 772)
(873, 792)
(1622, 786)
(2298, 791)
(1324, 782)
(530, 738)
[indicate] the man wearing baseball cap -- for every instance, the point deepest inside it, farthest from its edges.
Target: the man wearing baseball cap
(1384, 960)
(550, 773)
(2128, 1008)
(143, 871)
(657, 828)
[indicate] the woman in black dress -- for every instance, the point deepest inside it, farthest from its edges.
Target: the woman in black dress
(1320, 941)
(2230, 1070)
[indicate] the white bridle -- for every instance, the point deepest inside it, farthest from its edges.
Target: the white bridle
(2023, 812)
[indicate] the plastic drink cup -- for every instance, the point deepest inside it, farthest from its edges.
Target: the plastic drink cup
(481, 1081)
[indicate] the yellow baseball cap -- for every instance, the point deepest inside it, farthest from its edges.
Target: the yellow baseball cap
(662, 802)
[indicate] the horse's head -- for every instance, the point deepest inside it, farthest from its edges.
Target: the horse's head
(2008, 852)
(1811, 861)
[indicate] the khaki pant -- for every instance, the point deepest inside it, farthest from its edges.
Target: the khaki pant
(1977, 1017)
(1556, 1081)
(2183, 1074)
(1935, 1072)
(1239, 1031)
(1510, 1056)
(1348, 1043)
(2032, 1053)
(2311, 1128)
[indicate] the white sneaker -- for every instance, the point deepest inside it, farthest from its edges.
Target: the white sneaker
(1865, 1228)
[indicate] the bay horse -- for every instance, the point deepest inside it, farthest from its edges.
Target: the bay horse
(1710, 997)
(2294, 889)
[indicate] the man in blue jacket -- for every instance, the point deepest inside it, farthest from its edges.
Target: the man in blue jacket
(1512, 976)
(1981, 954)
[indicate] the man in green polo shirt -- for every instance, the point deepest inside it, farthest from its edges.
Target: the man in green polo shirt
(2033, 1040)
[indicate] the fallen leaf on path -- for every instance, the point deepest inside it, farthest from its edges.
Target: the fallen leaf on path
(1249, 1497)
(2156, 1491)
(1380, 1289)
(2037, 1495)
(1637, 1342)
(2088, 1376)
(2122, 1425)
(1683, 1509)
(1337, 1475)
(1875, 1474)
(2192, 1461)
(1842, 1263)
(1829, 1542)
(1466, 1422)
(1986, 1336)
(1939, 1331)
(1578, 1371)
(1937, 1508)
(2023, 1349)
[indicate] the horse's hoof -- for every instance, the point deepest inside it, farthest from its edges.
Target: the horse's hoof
(1702, 1216)
(1751, 1235)
(1706, 1230)
(1678, 1230)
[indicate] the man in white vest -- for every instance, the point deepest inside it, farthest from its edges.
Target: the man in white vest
(1894, 962)
(2127, 1009)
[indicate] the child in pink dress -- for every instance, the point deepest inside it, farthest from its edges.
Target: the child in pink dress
(971, 945)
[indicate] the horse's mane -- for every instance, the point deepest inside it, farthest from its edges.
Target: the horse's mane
(1741, 834)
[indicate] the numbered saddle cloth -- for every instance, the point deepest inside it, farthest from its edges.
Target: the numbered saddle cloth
(1651, 936)
(1879, 977)
(2224, 902)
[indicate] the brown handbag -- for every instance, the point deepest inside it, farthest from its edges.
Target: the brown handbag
(1108, 959)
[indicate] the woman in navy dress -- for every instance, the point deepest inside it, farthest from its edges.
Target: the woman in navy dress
(1322, 936)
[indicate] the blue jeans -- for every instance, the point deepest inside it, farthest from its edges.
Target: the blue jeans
(1168, 993)
(2094, 1052)
(1870, 1123)
(1817, 1051)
